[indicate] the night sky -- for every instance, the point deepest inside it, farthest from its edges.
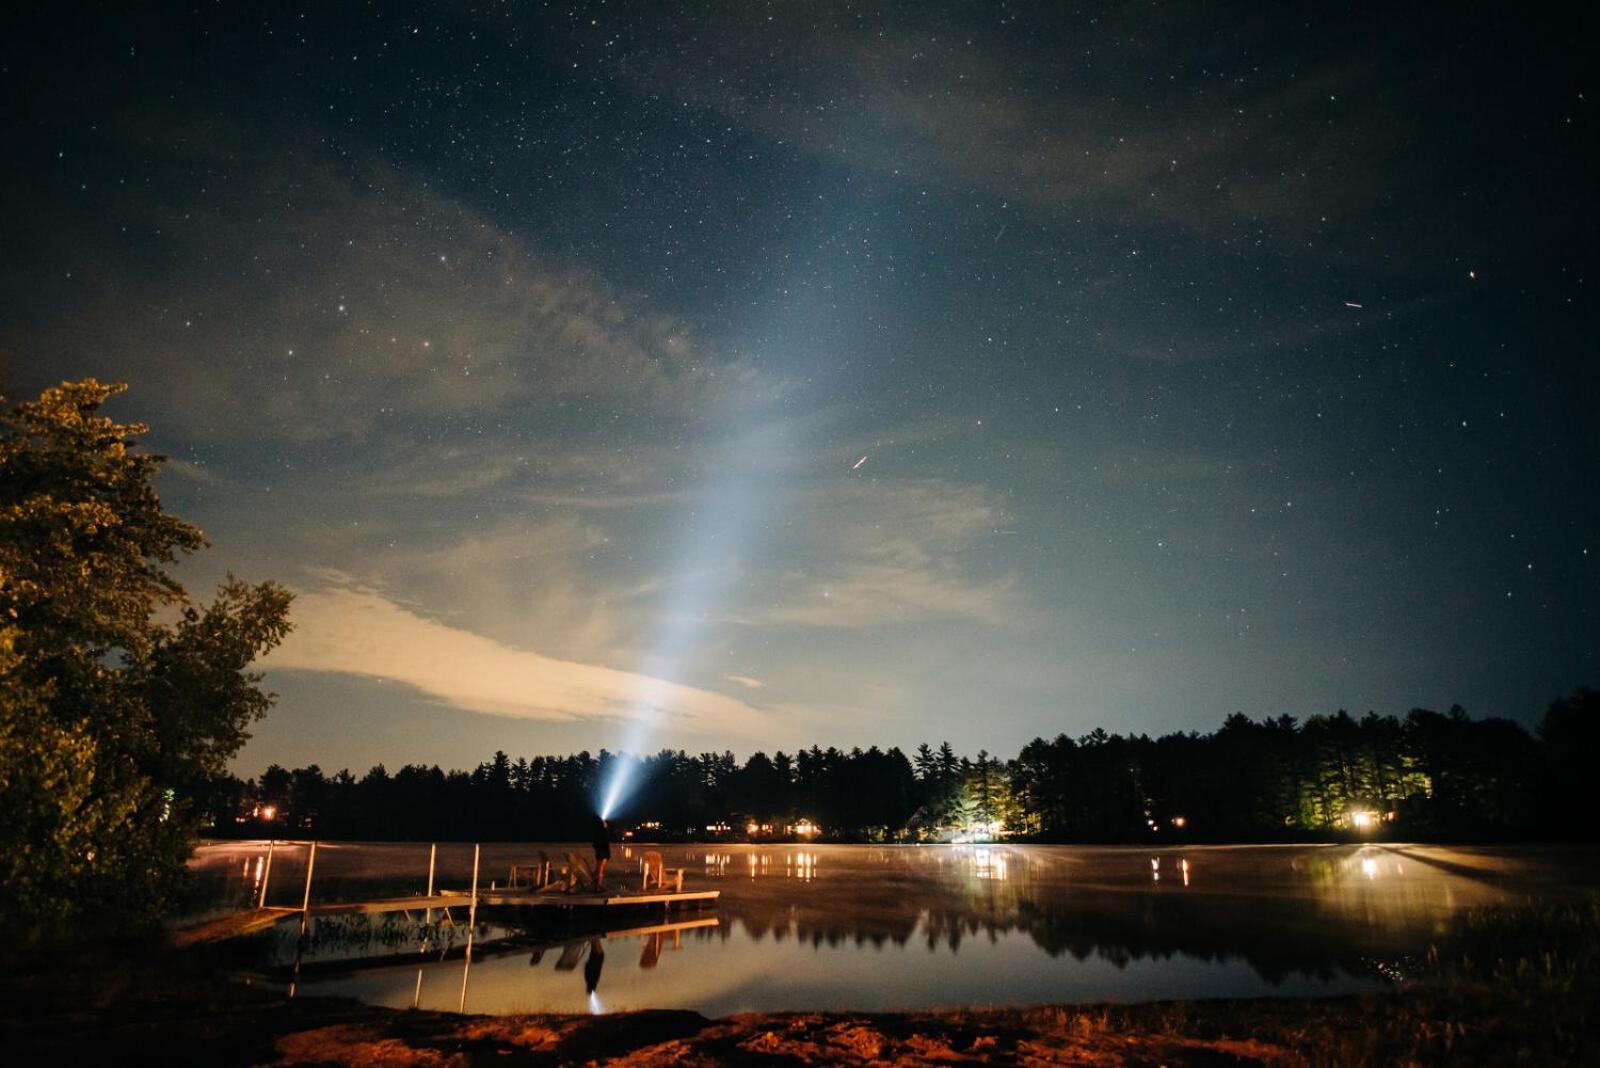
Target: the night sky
(766, 374)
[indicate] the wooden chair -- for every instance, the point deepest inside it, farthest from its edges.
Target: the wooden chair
(652, 868)
(537, 874)
(577, 872)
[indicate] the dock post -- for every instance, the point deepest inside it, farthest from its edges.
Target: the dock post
(433, 854)
(472, 926)
(305, 902)
(266, 873)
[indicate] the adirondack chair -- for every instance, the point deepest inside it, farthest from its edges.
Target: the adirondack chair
(550, 878)
(579, 874)
(537, 873)
(652, 870)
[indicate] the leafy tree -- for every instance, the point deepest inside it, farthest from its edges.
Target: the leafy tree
(115, 720)
(1570, 731)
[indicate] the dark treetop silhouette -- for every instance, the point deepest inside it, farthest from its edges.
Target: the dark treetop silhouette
(1426, 775)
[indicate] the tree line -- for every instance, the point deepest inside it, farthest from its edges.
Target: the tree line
(1427, 775)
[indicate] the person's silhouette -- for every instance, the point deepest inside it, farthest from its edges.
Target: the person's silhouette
(592, 966)
(602, 853)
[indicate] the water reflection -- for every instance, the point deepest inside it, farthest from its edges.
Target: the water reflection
(802, 866)
(989, 863)
(861, 927)
(591, 969)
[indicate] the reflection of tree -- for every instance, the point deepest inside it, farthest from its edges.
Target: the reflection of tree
(935, 898)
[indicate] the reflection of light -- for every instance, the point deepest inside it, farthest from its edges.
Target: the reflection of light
(1183, 865)
(1155, 869)
(989, 864)
(804, 866)
(595, 1008)
(1369, 867)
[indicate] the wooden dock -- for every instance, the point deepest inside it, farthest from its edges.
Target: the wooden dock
(545, 895)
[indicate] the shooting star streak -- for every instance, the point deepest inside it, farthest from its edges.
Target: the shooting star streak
(1350, 304)
(857, 465)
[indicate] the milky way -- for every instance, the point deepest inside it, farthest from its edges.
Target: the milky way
(770, 374)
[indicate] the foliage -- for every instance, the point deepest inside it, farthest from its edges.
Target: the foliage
(1441, 776)
(1570, 732)
(110, 717)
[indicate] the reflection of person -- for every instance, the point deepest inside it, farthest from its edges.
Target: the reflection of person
(592, 966)
(602, 853)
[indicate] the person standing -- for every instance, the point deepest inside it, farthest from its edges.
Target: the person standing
(602, 853)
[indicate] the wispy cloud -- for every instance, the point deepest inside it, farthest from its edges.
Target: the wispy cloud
(321, 299)
(355, 631)
(1139, 132)
(965, 103)
(873, 553)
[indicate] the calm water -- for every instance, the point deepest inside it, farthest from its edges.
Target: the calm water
(905, 927)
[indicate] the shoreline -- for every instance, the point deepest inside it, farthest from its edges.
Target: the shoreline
(178, 1002)
(1501, 985)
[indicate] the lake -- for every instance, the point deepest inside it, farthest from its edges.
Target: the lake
(901, 927)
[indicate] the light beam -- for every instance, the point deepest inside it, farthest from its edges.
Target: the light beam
(716, 531)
